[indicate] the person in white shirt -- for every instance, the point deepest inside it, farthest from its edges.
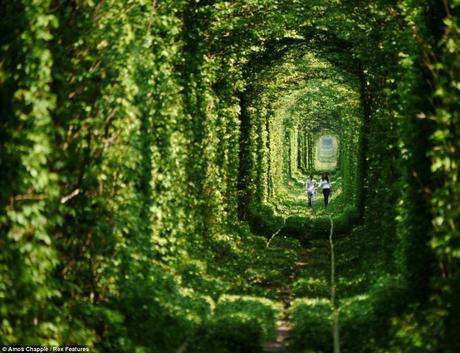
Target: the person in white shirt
(311, 190)
(326, 186)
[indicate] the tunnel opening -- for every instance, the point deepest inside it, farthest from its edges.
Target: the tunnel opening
(303, 116)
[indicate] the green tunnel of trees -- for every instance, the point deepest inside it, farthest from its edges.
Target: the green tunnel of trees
(149, 148)
(306, 91)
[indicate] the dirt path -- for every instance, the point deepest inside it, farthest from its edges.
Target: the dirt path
(279, 345)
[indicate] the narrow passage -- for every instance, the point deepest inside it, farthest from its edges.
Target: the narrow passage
(279, 344)
(310, 262)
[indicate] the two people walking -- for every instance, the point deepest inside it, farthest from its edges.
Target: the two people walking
(311, 186)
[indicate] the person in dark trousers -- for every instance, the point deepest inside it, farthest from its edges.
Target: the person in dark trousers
(326, 186)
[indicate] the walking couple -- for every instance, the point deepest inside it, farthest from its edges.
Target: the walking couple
(325, 185)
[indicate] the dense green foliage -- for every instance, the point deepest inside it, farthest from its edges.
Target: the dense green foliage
(142, 143)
